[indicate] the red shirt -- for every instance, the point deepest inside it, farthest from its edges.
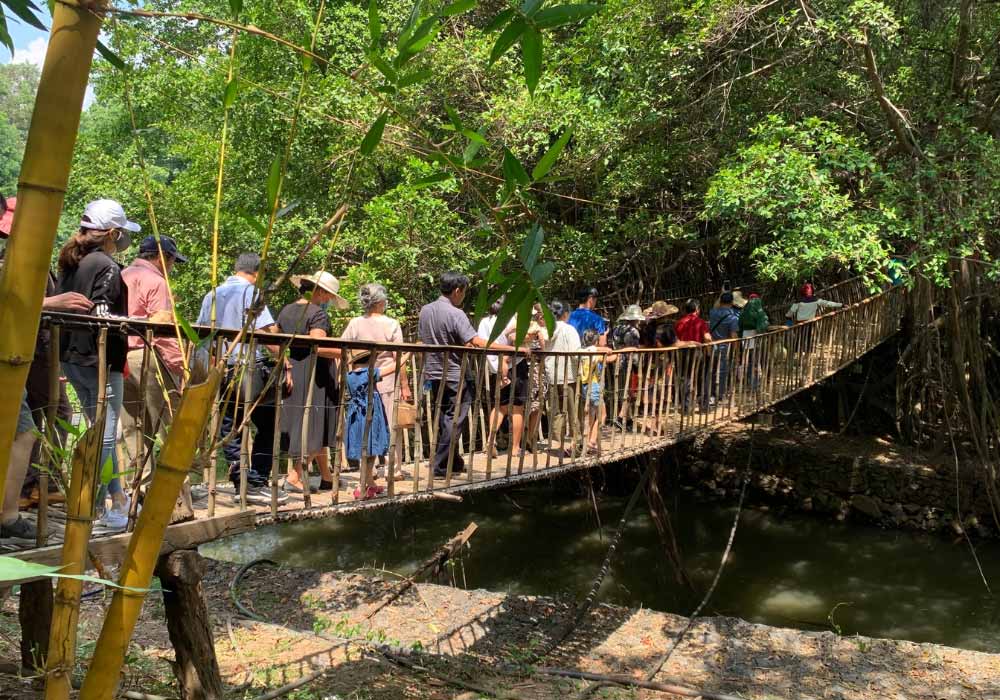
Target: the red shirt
(691, 327)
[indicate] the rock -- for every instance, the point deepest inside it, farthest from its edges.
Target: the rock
(898, 514)
(866, 505)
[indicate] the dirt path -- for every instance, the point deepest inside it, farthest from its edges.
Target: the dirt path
(480, 632)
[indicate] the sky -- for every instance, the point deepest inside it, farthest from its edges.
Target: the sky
(30, 45)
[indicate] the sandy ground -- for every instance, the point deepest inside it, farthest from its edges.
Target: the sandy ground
(489, 639)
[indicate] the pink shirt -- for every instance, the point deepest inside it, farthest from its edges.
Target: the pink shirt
(147, 294)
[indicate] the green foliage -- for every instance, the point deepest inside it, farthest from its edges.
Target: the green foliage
(798, 193)
(11, 150)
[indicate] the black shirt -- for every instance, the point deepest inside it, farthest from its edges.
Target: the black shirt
(99, 278)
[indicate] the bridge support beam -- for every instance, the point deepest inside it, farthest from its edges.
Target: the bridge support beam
(195, 664)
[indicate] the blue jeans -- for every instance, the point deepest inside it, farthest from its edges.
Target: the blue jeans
(84, 381)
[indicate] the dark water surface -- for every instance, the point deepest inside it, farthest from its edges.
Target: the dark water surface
(787, 571)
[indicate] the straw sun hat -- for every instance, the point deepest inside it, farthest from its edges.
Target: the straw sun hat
(633, 312)
(326, 282)
(659, 309)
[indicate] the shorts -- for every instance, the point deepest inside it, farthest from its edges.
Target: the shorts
(25, 423)
(594, 394)
(518, 385)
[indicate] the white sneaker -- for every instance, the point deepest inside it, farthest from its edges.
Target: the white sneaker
(116, 517)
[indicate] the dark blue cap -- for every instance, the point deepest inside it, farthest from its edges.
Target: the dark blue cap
(148, 245)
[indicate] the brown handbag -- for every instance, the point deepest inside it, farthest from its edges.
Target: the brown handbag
(406, 414)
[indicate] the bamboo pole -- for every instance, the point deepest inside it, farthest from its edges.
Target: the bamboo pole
(394, 460)
(339, 455)
(144, 545)
(51, 435)
(366, 468)
(48, 156)
(304, 454)
(418, 424)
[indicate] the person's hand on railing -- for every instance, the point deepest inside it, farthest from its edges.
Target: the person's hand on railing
(70, 302)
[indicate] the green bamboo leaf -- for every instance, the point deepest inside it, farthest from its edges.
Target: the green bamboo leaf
(252, 222)
(232, 89)
(12, 569)
(274, 182)
(374, 23)
(425, 33)
(74, 430)
(499, 21)
(564, 14)
(307, 64)
(531, 247)
(544, 165)
(474, 136)
(531, 54)
(26, 11)
(484, 298)
(5, 38)
(453, 117)
(431, 180)
(415, 77)
(530, 7)
(384, 68)
(458, 7)
(550, 320)
(236, 7)
(111, 57)
(374, 135)
(541, 272)
(107, 471)
(513, 172)
(473, 148)
(408, 28)
(508, 37)
(188, 329)
(510, 306)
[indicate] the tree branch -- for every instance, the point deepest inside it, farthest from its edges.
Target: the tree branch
(960, 62)
(897, 120)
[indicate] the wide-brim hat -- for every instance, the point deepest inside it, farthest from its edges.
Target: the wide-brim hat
(659, 309)
(326, 282)
(739, 301)
(633, 312)
(353, 356)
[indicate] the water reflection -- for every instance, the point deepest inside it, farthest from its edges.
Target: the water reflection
(789, 571)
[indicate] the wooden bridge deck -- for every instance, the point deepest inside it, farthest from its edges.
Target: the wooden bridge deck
(762, 371)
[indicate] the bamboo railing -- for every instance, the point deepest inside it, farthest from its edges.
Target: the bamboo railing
(645, 399)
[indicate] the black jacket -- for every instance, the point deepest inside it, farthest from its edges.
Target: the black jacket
(99, 278)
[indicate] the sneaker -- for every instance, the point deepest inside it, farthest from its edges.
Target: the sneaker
(20, 528)
(261, 495)
(116, 517)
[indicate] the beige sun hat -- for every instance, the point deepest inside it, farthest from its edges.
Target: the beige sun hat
(659, 309)
(326, 282)
(633, 312)
(739, 301)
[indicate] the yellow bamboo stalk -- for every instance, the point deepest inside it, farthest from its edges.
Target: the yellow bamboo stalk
(79, 521)
(41, 188)
(175, 461)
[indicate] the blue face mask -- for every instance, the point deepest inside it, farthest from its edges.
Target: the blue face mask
(325, 305)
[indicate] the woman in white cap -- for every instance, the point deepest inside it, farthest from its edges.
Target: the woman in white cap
(86, 267)
(307, 316)
(375, 326)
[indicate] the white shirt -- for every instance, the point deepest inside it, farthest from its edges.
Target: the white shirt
(484, 331)
(562, 369)
(808, 310)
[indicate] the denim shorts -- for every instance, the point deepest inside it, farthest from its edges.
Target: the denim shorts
(594, 394)
(25, 422)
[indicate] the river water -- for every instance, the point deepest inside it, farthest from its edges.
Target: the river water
(789, 571)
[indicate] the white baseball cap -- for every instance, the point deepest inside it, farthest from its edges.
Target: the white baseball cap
(104, 214)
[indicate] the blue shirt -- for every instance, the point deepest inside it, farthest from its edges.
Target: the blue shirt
(232, 299)
(585, 319)
(723, 323)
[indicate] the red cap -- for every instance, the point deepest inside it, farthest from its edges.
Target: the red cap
(807, 290)
(7, 218)
(754, 295)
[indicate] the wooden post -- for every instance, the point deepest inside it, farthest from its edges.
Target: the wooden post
(34, 612)
(188, 624)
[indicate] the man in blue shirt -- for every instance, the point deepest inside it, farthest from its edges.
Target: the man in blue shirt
(584, 318)
(723, 324)
(232, 300)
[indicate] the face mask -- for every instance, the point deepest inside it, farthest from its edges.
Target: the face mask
(325, 305)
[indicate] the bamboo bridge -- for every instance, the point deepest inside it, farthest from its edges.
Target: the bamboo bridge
(671, 395)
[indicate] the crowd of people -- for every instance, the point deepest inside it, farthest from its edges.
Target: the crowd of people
(144, 375)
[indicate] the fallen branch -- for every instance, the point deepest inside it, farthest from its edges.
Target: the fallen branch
(432, 565)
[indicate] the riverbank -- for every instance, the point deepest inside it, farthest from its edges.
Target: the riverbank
(479, 632)
(865, 479)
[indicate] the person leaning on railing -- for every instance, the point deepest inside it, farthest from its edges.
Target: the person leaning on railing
(151, 398)
(560, 371)
(442, 322)
(691, 329)
(315, 418)
(232, 302)
(808, 307)
(11, 523)
(86, 266)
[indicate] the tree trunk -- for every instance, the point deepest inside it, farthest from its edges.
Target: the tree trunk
(189, 626)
